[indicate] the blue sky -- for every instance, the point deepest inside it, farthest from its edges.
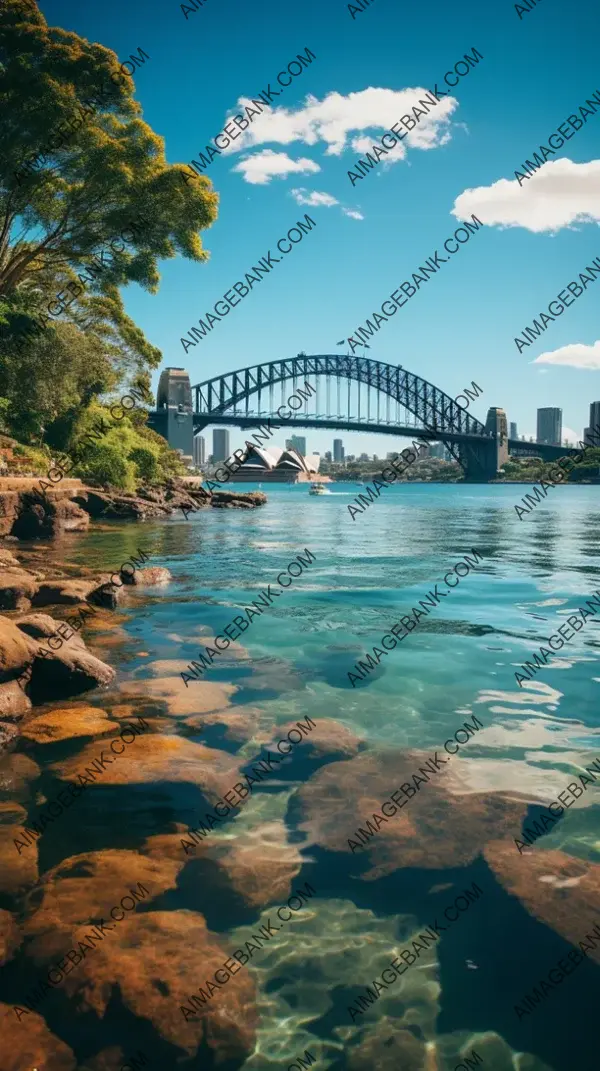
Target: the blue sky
(461, 326)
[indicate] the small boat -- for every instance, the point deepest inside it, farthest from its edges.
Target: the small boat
(318, 489)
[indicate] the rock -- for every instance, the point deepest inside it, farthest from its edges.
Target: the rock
(68, 723)
(10, 936)
(67, 672)
(437, 828)
(29, 1044)
(85, 886)
(8, 560)
(105, 594)
(114, 505)
(63, 592)
(326, 741)
(157, 961)
(227, 728)
(242, 875)
(180, 701)
(400, 1049)
(14, 650)
(9, 511)
(8, 733)
(47, 516)
(41, 626)
(14, 702)
(153, 758)
(156, 575)
(561, 891)
(11, 813)
(238, 499)
(17, 589)
(18, 861)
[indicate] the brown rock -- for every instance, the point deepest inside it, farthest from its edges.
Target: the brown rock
(69, 671)
(246, 874)
(238, 499)
(88, 886)
(11, 813)
(18, 861)
(8, 730)
(400, 1049)
(155, 575)
(68, 723)
(17, 589)
(435, 829)
(152, 966)
(325, 741)
(44, 516)
(40, 626)
(8, 560)
(29, 1045)
(559, 890)
(66, 592)
(9, 510)
(18, 773)
(233, 726)
(10, 936)
(160, 758)
(14, 702)
(180, 700)
(14, 651)
(106, 593)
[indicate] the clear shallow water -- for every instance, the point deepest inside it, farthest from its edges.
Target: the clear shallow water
(460, 661)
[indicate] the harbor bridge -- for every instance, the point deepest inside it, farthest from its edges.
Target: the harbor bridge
(341, 393)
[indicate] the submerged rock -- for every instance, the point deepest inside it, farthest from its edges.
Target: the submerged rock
(67, 723)
(29, 1045)
(437, 827)
(559, 890)
(155, 575)
(10, 936)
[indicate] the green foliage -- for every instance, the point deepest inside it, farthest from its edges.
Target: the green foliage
(143, 456)
(146, 463)
(88, 204)
(105, 464)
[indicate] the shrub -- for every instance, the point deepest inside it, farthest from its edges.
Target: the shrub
(146, 463)
(105, 464)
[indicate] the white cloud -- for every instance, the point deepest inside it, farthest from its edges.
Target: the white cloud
(334, 118)
(260, 168)
(318, 199)
(314, 198)
(575, 355)
(559, 194)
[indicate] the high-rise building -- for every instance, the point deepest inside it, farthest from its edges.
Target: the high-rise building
(594, 427)
(220, 444)
(199, 451)
(513, 430)
(297, 442)
(338, 450)
(549, 426)
(327, 455)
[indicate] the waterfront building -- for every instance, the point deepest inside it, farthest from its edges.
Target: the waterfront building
(272, 464)
(221, 449)
(549, 426)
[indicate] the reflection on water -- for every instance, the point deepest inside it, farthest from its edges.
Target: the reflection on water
(292, 663)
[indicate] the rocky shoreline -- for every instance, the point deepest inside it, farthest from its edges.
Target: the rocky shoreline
(42, 656)
(26, 512)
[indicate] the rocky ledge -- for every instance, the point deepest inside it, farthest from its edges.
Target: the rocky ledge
(26, 512)
(43, 658)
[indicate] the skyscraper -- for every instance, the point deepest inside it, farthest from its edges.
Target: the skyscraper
(199, 451)
(298, 442)
(594, 415)
(513, 430)
(338, 450)
(220, 444)
(549, 426)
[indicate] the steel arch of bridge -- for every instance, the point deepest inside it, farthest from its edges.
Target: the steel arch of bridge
(430, 405)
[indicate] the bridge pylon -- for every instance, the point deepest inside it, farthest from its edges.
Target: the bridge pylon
(482, 460)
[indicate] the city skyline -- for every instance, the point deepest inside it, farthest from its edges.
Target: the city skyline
(355, 443)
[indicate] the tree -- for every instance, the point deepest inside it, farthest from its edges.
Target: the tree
(79, 168)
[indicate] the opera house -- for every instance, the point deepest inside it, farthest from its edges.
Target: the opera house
(271, 464)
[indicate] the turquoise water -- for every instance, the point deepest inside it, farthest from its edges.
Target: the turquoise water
(292, 662)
